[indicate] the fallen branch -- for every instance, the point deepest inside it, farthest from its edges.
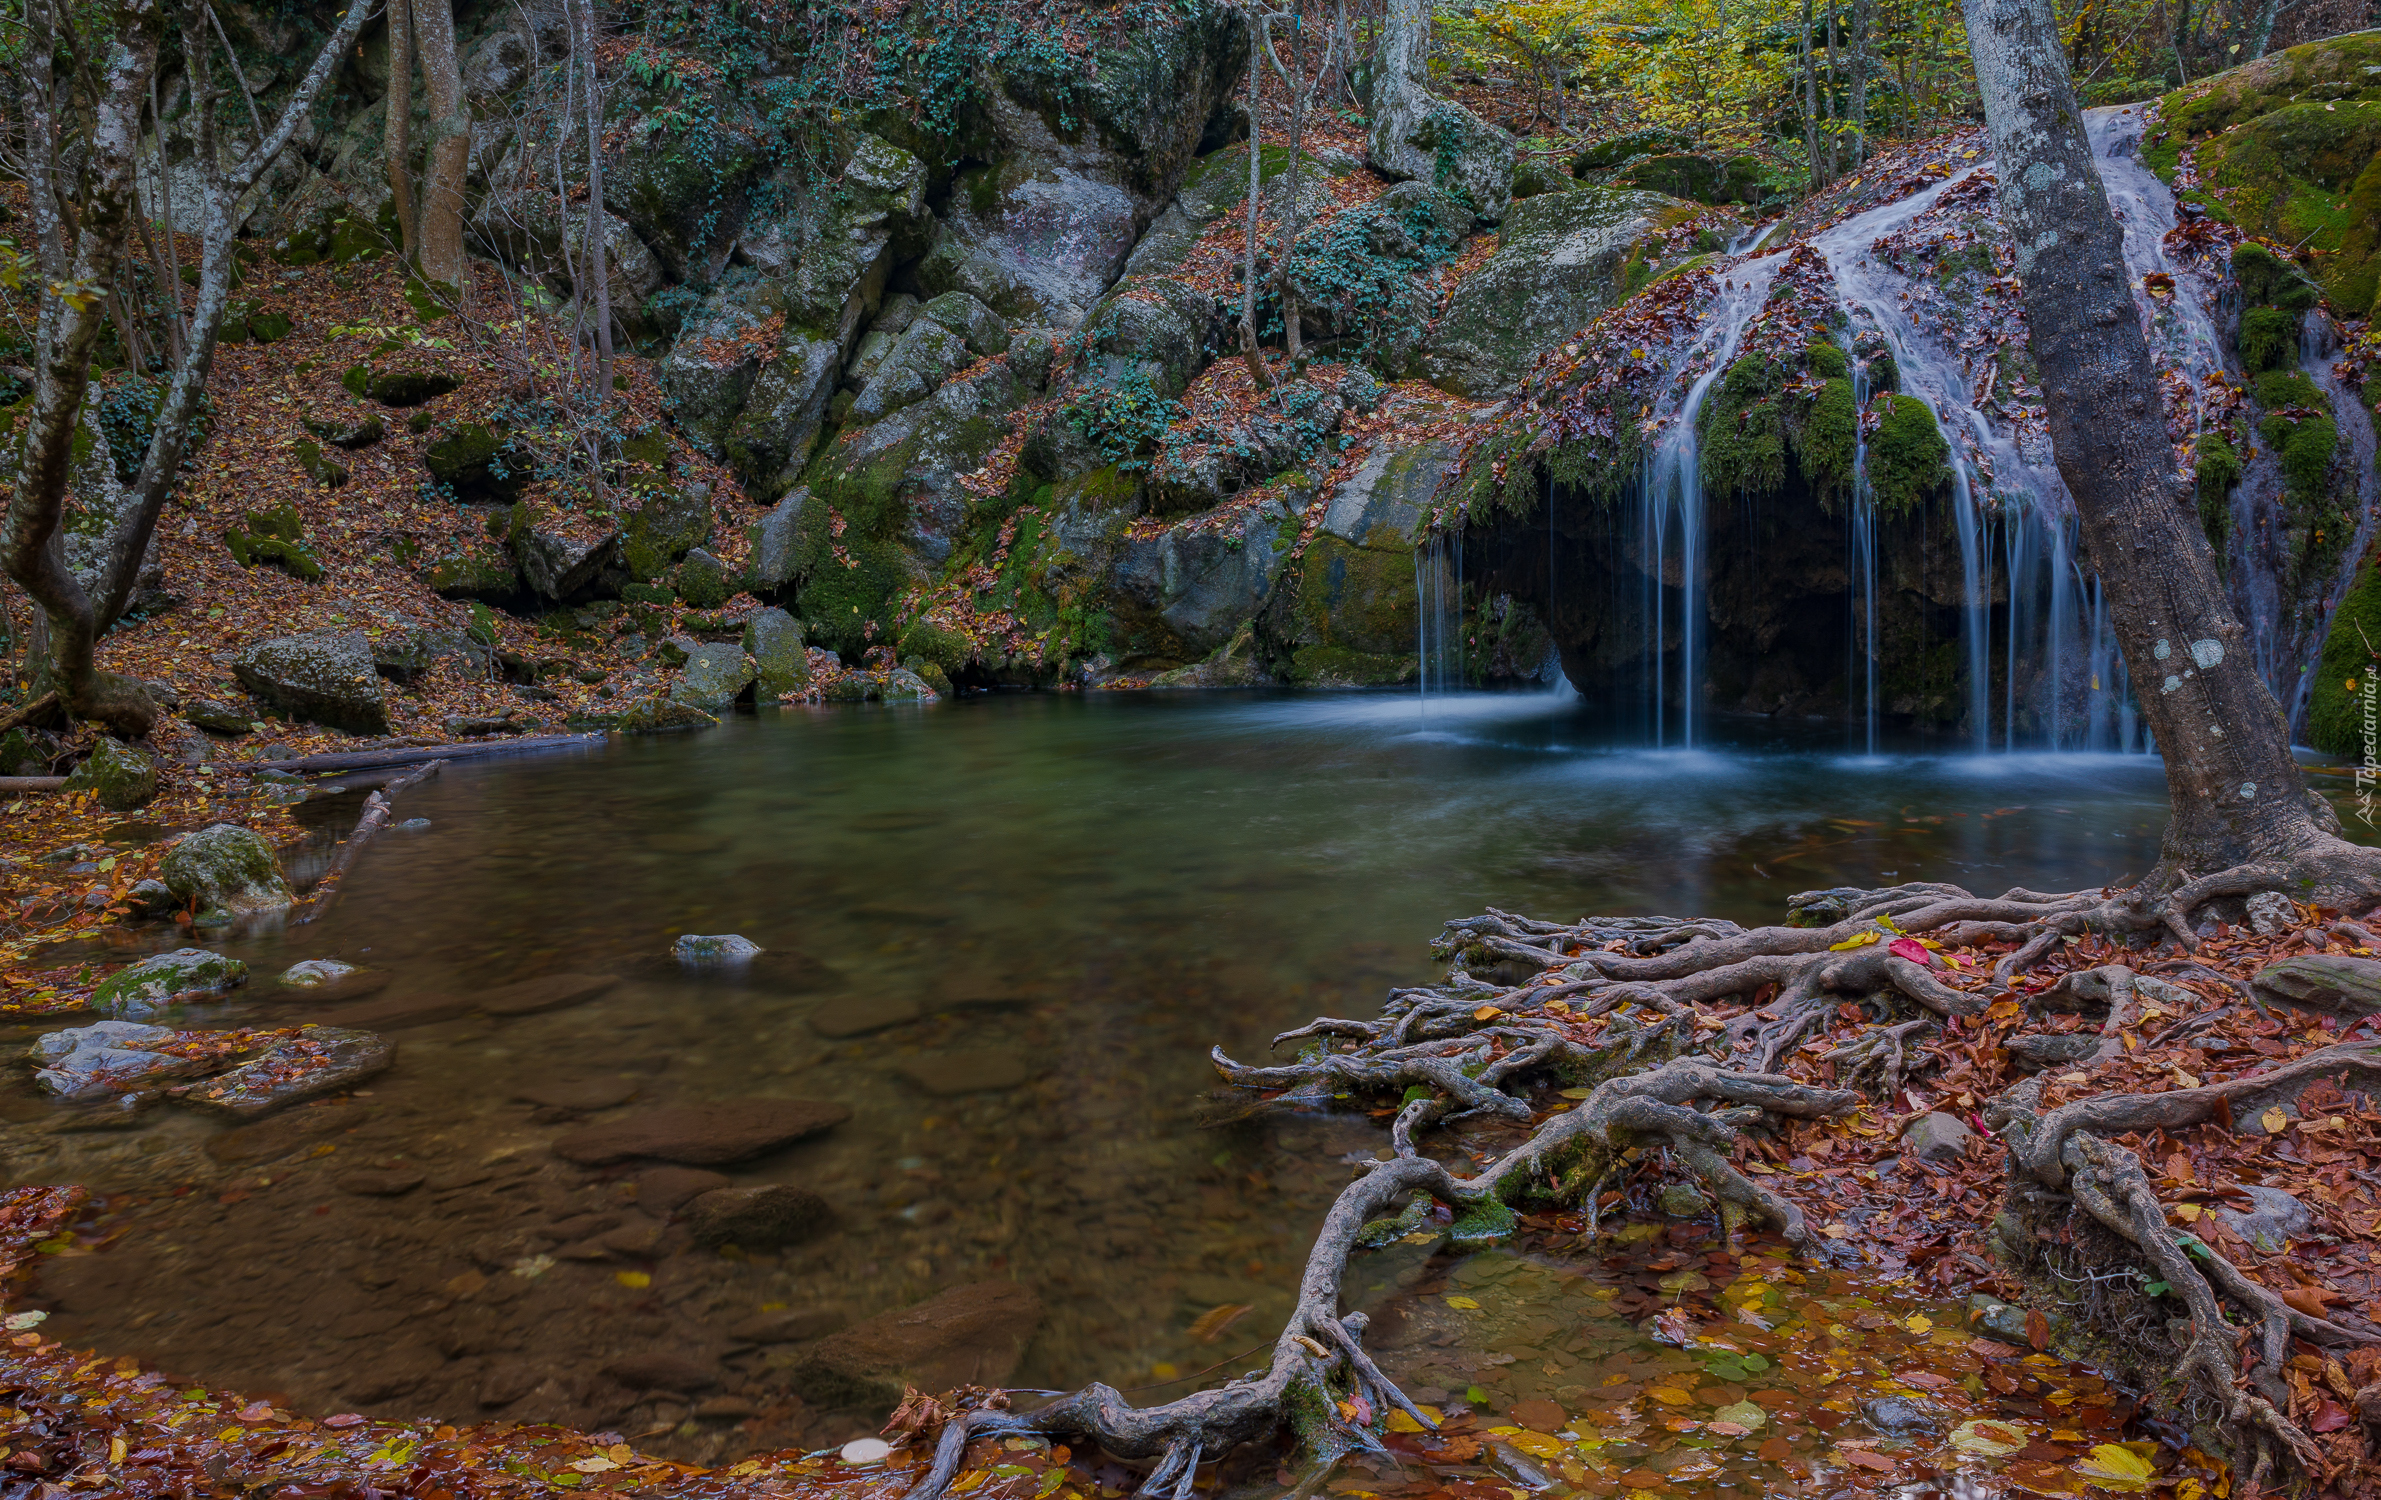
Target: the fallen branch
(28, 712)
(364, 760)
(377, 809)
(32, 784)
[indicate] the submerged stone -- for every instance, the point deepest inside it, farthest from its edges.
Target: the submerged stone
(722, 950)
(106, 1058)
(315, 973)
(321, 1060)
(702, 1134)
(758, 1218)
(969, 1335)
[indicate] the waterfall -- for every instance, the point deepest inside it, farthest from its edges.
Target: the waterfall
(1863, 538)
(1438, 612)
(1671, 492)
(1975, 616)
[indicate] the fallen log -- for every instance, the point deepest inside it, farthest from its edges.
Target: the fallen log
(364, 760)
(33, 710)
(31, 784)
(377, 808)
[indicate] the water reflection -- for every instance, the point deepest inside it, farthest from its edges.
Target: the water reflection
(1003, 932)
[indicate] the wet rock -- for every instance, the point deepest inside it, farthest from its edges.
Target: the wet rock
(861, 1014)
(715, 674)
(2042, 1049)
(277, 1137)
(1508, 1460)
(722, 950)
(316, 973)
(774, 558)
(969, 1335)
(326, 679)
(123, 777)
(2271, 914)
(702, 1134)
(659, 714)
(225, 868)
(392, 1372)
(2333, 983)
(321, 1060)
(579, 1096)
(758, 1218)
(175, 978)
(1899, 1416)
(724, 1409)
(2003, 1320)
(105, 1059)
(1682, 1200)
(1937, 1137)
(662, 1370)
(773, 639)
(664, 1190)
(791, 1326)
(2276, 1217)
(548, 992)
(150, 900)
(380, 1182)
(508, 1380)
(976, 1070)
(218, 717)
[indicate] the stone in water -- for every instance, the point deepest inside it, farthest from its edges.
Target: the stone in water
(718, 951)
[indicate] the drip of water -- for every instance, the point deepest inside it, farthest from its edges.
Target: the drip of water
(1438, 599)
(1864, 546)
(1975, 616)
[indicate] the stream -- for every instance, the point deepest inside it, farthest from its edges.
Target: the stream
(1003, 932)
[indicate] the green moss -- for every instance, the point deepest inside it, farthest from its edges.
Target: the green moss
(274, 537)
(1828, 360)
(1760, 421)
(945, 650)
(2277, 389)
(2216, 472)
(1908, 460)
(1359, 600)
(2268, 338)
(2351, 655)
(1334, 666)
(1831, 439)
(319, 466)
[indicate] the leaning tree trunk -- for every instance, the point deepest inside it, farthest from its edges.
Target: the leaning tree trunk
(2235, 791)
(449, 156)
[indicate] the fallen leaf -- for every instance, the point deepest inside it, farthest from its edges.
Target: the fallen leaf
(1865, 1459)
(1987, 1438)
(1464, 1304)
(2274, 1121)
(1212, 1323)
(632, 1278)
(2113, 1463)
(2037, 1330)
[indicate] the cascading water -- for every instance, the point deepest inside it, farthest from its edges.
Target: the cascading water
(1438, 595)
(1670, 502)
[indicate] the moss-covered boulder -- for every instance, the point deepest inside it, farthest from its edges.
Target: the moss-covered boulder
(275, 537)
(408, 386)
(1560, 261)
(471, 566)
(225, 869)
(1909, 460)
(1348, 614)
(561, 552)
(701, 580)
(177, 978)
(348, 430)
(1438, 141)
(328, 679)
(781, 664)
(923, 356)
(475, 461)
(666, 524)
(122, 777)
(660, 713)
(2289, 147)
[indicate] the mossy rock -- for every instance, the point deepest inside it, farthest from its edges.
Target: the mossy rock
(124, 778)
(225, 867)
(268, 327)
(474, 459)
(1334, 666)
(2268, 339)
(2216, 469)
(2290, 145)
(320, 467)
(1358, 601)
(274, 537)
(667, 524)
(357, 379)
(2348, 674)
(184, 975)
(1908, 459)
(701, 580)
(1759, 421)
(347, 432)
(408, 387)
(473, 568)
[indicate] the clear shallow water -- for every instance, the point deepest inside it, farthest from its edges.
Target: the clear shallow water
(1075, 895)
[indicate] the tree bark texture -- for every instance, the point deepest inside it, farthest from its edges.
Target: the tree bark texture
(397, 132)
(599, 276)
(449, 147)
(2235, 790)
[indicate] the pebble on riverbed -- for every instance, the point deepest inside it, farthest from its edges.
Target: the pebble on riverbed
(716, 951)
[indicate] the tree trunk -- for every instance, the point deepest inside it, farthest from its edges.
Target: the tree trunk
(1810, 104)
(397, 133)
(2235, 790)
(1252, 352)
(598, 274)
(449, 155)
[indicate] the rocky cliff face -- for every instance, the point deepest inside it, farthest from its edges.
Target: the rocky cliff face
(959, 308)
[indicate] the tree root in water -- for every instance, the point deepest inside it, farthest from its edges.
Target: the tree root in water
(1662, 1073)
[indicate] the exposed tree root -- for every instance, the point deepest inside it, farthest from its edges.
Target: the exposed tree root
(1623, 1006)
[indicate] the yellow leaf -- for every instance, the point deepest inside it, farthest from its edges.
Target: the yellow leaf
(1918, 1323)
(594, 1463)
(632, 1278)
(2189, 1212)
(1486, 1013)
(1464, 1304)
(1668, 1395)
(1988, 1439)
(1577, 1093)
(1538, 1444)
(2274, 1121)
(2113, 1463)
(1856, 940)
(1400, 1422)
(115, 1450)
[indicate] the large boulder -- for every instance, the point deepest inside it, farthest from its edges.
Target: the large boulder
(969, 1335)
(714, 677)
(1184, 592)
(913, 369)
(1348, 614)
(121, 777)
(667, 524)
(225, 868)
(776, 542)
(325, 678)
(84, 1063)
(319, 1060)
(1561, 261)
(1422, 137)
(561, 552)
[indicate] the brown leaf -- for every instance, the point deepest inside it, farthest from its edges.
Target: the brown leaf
(2037, 1330)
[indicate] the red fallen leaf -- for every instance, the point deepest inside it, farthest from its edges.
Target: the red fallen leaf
(1915, 951)
(2329, 1417)
(1993, 1349)
(1924, 1379)
(344, 1419)
(2037, 1330)
(1866, 1459)
(2309, 1300)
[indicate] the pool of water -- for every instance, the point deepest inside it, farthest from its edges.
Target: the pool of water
(1003, 932)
